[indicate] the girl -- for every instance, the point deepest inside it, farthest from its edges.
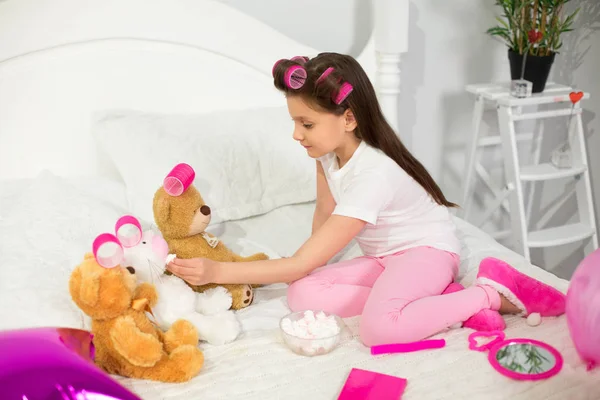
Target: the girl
(370, 188)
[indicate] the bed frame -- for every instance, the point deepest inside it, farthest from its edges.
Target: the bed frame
(63, 60)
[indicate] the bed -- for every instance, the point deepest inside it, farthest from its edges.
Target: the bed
(97, 99)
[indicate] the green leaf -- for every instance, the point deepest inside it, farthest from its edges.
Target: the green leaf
(497, 30)
(502, 22)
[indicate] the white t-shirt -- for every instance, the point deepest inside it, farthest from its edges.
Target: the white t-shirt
(399, 213)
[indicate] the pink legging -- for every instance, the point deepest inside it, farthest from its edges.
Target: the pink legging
(399, 297)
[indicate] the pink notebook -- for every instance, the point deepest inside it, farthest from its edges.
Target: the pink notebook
(368, 385)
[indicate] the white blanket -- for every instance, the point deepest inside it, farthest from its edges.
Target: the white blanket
(47, 224)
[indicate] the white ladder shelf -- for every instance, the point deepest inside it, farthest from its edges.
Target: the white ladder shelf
(509, 197)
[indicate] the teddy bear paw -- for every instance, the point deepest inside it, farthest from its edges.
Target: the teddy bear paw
(185, 362)
(213, 301)
(245, 297)
(221, 329)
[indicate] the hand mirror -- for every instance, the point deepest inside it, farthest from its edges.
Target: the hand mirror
(521, 359)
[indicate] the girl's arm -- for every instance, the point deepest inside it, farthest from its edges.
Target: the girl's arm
(325, 243)
(325, 202)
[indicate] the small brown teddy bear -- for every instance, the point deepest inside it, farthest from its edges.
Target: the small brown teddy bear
(126, 342)
(182, 218)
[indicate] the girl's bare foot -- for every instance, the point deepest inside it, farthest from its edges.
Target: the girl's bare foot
(506, 307)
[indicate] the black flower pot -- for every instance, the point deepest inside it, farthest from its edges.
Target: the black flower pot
(537, 69)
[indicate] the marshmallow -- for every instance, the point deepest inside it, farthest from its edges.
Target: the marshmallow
(317, 326)
(170, 258)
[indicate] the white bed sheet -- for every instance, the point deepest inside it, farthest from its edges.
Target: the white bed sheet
(46, 224)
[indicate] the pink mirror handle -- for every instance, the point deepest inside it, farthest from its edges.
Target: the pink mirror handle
(498, 336)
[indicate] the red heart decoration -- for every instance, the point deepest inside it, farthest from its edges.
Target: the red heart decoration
(575, 96)
(496, 336)
(534, 36)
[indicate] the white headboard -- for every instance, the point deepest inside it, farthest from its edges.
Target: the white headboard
(63, 60)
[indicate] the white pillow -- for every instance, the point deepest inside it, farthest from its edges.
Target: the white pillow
(246, 161)
(51, 225)
(111, 191)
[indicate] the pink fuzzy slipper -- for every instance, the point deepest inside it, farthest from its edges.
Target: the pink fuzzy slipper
(528, 294)
(484, 320)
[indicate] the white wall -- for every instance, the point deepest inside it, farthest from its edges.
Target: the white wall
(333, 25)
(448, 48)
(578, 65)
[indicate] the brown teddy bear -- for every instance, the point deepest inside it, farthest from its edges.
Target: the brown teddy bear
(126, 342)
(182, 218)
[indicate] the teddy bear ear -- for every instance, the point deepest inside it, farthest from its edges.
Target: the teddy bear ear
(162, 210)
(89, 289)
(84, 288)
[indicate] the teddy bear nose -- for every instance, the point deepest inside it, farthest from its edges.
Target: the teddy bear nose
(205, 210)
(131, 270)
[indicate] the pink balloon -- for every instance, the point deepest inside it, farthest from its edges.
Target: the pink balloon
(583, 309)
(54, 364)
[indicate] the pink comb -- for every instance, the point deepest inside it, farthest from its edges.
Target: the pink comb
(408, 347)
(368, 385)
(295, 76)
(345, 90)
(179, 179)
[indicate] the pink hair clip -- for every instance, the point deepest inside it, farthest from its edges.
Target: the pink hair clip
(295, 76)
(324, 75)
(179, 179)
(108, 248)
(343, 93)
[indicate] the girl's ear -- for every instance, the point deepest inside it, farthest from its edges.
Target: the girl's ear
(349, 120)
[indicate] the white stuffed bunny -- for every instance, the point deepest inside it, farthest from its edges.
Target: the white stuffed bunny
(209, 312)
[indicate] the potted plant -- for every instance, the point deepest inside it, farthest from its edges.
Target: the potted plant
(532, 31)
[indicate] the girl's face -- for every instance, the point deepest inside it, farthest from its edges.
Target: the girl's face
(319, 132)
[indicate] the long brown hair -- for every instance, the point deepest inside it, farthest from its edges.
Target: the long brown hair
(372, 126)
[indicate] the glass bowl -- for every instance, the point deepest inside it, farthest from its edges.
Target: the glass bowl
(311, 346)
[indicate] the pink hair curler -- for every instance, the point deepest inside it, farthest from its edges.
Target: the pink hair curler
(179, 179)
(128, 230)
(300, 59)
(295, 76)
(343, 93)
(324, 75)
(107, 250)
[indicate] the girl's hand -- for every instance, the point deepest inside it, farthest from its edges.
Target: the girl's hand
(195, 271)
